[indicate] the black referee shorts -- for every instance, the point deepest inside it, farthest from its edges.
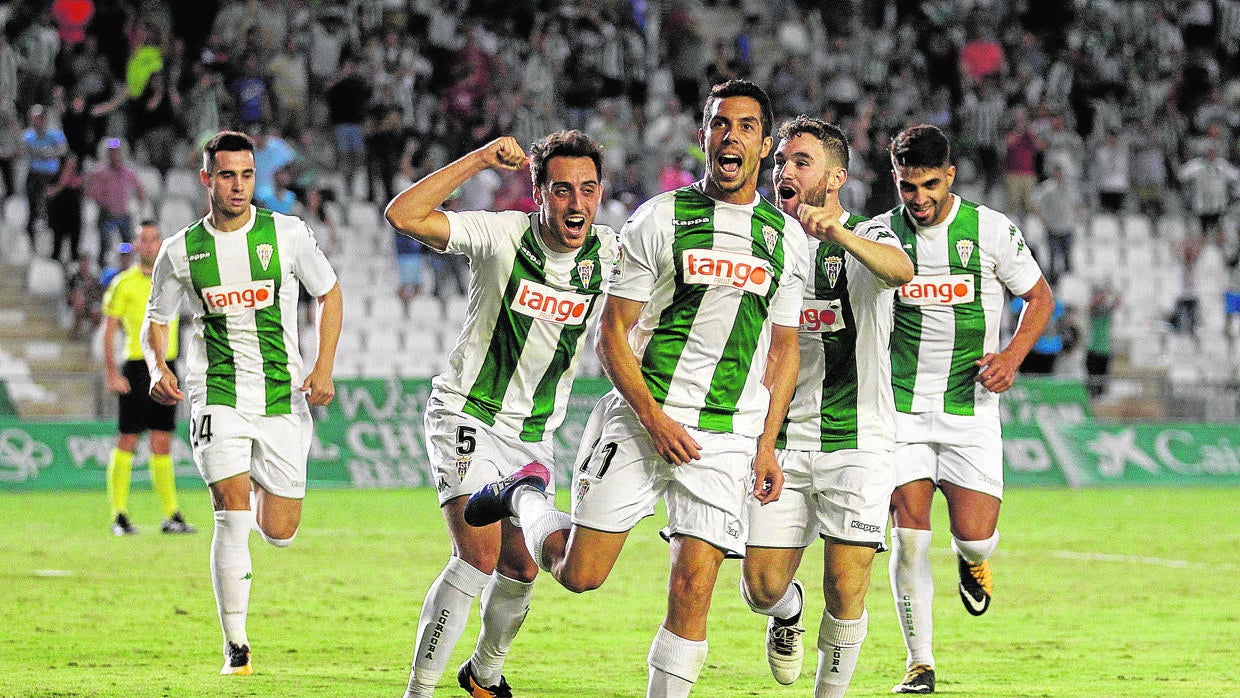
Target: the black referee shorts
(138, 412)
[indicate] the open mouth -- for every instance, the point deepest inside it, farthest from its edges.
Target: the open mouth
(575, 223)
(730, 164)
(786, 192)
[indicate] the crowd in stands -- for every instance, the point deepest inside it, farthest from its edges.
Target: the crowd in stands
(1058, 108)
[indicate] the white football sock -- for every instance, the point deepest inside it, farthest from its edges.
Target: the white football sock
(445, 612)
(540, 520)
(231, 572)
(912, 585)
(675, 664)
(788, 607)
(975, 551)
(839, 647)
(504, 605)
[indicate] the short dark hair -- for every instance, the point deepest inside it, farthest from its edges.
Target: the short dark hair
(833, 139)
(228, 141)
(569, 144)
(148, 222)
(920, 146)
(742, 88)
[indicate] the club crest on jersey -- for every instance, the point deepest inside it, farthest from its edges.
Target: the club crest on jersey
(583, 486)
(234, 298)
(943, 289)
(964, 248)
(585, 271)
(770, 237)
(832, 266)
(720, 268)
(462, 466)
(542, 302)
(264, 252)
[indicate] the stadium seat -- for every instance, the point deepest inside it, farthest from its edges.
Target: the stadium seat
(1104, 227)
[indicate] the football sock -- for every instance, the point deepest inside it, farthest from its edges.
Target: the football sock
(788, 608)
(504, 605)
(675, 664)
(913, 588)
(444, 614)
(119, 466)
(539, 519)
(975, 551)
(163, 481)
(839, 647)
(231, 571)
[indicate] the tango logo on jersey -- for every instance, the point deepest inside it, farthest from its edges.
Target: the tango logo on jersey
(545, 303)
(585, 271)
(719, 268)
(822, 316)
(944, 289)
(964, 248)
(233, 298)
(264, 252)
(832, 265)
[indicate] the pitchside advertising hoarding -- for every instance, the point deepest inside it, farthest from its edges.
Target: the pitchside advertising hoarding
(371, 436)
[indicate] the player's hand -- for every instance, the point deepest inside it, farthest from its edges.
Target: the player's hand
(118, 384)
(504, 153)
(997, 371)
(671, 440)
(819, 224)
(768, 477)
(320, 387)
(164, 388)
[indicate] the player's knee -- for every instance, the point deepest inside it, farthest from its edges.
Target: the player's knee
(580, 581)
(760, 593)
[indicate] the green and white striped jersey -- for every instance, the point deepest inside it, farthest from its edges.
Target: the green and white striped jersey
(530, 309)
(242, 288)
(948, 316)
(714, 276)
(843, 398)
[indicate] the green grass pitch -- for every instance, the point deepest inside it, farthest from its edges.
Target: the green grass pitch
(1131, 592)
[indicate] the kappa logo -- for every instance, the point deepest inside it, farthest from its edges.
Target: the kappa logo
(542, 302)
(719, 268)
(822, 316)
(683, 222)
(234, 298)
(198, 256)
(264, 252)
(942, 289)
(530, 256)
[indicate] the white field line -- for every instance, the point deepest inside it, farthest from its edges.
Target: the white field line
(1140, 560)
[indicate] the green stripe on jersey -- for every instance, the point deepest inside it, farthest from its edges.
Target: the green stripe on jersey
(906, 325)
(535, 426)
(204, 273)
(670, 334)
(970, 317)
(728, 381)
(278, 383)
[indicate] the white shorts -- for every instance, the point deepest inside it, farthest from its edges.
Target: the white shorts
(620, 477)
(465, 453)
(844, 496)
(963, 450)
(271, 448)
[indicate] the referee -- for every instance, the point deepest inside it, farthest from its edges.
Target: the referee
(124, 305)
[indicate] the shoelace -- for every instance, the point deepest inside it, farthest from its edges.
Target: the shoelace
(784, 638)
(981, 575)
(915, 673)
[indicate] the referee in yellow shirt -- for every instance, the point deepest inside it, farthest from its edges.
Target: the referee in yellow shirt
(124, 304)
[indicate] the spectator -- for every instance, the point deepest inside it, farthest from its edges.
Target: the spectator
(1020, 173)
(1183, 318)
(251, 91)
(64, 209)
(10, 145)
(1111, 163)
(411, 266)
(113, 185)
(1210, 180)
(43, 147)
(1046, 351)
(347, 96)
(154, 128)
(1058, 204)
(84, 293)
(1102, 305)
(290, 85)
(385, 145)
(1150, 175)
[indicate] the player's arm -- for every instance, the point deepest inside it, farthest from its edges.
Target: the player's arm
(670, 439)
(319, 381)
(783, 360)
(999, 370)
(414, 211)
(889, 263)
(116, 382)
(154, 340)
